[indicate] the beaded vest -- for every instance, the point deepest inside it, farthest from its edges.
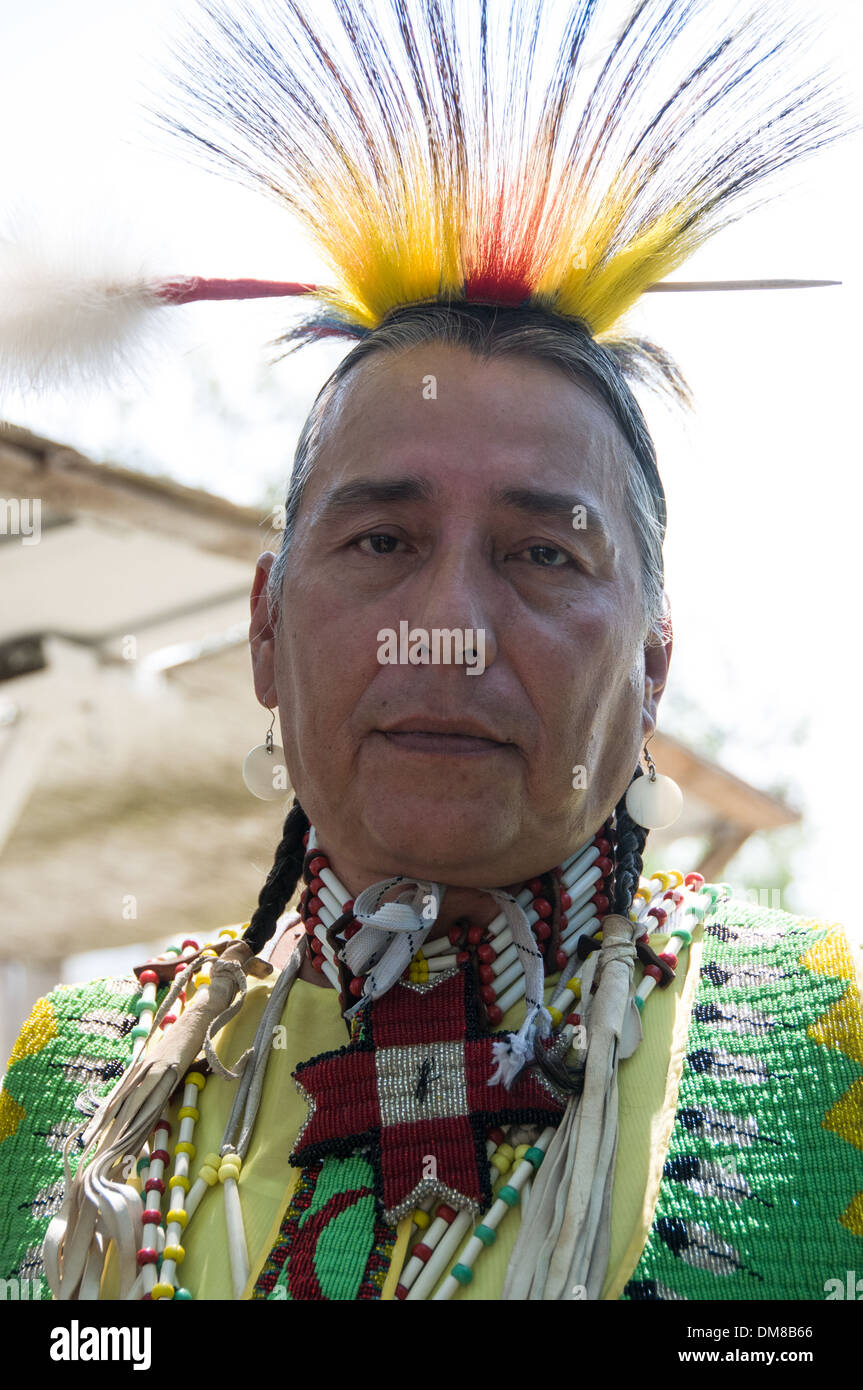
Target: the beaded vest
(765, 1155)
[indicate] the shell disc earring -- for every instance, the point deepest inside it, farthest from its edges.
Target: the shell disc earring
(264, 771)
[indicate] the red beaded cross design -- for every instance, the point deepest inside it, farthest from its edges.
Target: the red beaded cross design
(412, 1090)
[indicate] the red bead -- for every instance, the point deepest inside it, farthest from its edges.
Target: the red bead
(422, 1251)
(644, 939)
(654, 972)
(445, 1213)
(694, 880)
(494, 1015)
(189, 942)
(148, 977)
(674, 895)
(601, 903)
(486, 975)
(542, 907)
(564, 921)
(154, 1185)
(352, 930)
(475, 935)
(314, 904)
(147, 1256)
(604, 846)
(162, 1154)
(318, 963)
(151, 1216)
(486, 953)
(574, 1019)
(542, 931)
(565, 901)
(169, 1018)
(348, 906)
(659, 915)
(401, 1291)
(535, 886)
(319, 862)
(497, 1136)
(488, 994)
(603, 864)
(454, 935)
(162, 1126)
(316, 885)
(356, 987)
(560, 959)
(669, 958)
(462, 957)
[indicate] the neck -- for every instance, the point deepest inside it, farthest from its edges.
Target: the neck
(460, 905)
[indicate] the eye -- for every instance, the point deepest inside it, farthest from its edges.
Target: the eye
(376, 543)
(548, 556)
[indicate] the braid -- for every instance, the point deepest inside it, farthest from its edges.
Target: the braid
(631, 839)
(281, 880)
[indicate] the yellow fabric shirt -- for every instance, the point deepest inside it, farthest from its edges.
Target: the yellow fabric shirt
(312, 1023)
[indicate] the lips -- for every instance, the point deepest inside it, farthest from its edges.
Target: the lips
(451, 728)
(453, 738)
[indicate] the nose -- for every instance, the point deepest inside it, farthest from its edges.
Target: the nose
(454, 590)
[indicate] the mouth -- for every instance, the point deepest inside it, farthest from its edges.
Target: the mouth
(443, 738)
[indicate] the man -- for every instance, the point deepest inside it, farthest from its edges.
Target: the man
(470, 839)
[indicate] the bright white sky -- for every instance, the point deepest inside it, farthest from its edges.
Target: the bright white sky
(763, 551)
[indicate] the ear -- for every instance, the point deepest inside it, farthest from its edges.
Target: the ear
(262, 637)
(657, 659)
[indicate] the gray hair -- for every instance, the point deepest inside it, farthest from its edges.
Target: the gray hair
(490, 332)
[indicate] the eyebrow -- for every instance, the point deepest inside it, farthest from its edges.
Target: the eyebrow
(534, 501)
(540, 502)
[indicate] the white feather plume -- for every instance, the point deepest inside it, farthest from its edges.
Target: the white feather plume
(76, 316)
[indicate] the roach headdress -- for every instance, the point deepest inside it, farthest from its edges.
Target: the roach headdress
(504, 151)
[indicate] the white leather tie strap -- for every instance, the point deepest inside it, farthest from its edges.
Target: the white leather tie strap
(510, 1055)
(562, 1247)
(391, 934)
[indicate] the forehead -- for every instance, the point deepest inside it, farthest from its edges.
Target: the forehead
(471, 425)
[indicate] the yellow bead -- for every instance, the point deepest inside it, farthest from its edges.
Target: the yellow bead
(188, 1112)
(644, 893)
(233, 1158)
(162, 1291)
(178, 1217)
(184, 1148)
(209, 1175)
(556, 1015)
(229, 933)
(676, 877)
(502, 1164)
(209, 954)
(178, 1181)
(199, 981)
(213, 1160)
(421, 1218)
(507, 1150)
(175, 1253)
(574, 986)
(228, 1170)
(664, 879)
(195, 1078)
(521, 1151)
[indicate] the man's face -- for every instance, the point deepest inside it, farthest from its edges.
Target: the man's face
(442, 495)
